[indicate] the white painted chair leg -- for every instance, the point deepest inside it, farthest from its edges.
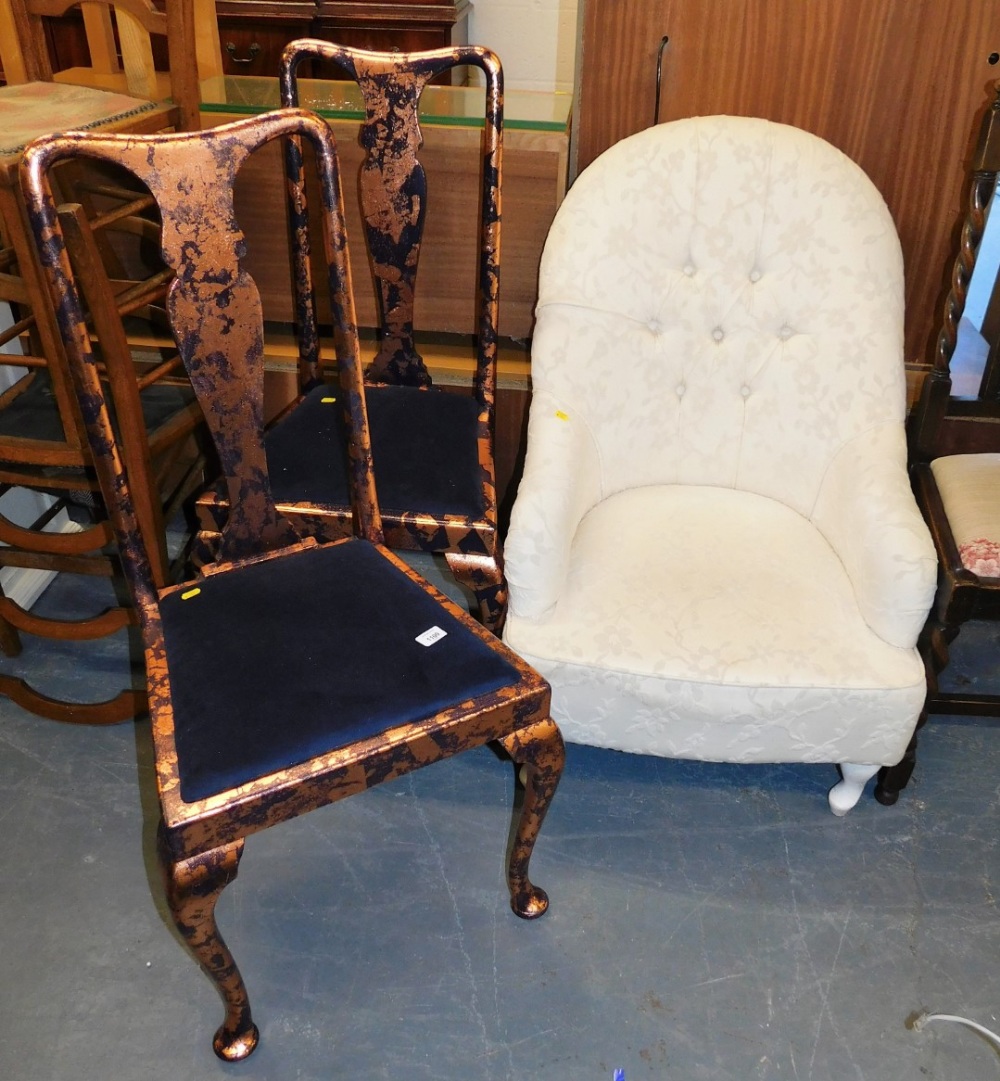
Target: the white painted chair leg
(845, 795)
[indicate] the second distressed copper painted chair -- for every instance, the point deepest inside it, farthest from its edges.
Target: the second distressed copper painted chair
(289, 674)
(433, 450)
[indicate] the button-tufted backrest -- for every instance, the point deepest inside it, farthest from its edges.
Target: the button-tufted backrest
(721, 303)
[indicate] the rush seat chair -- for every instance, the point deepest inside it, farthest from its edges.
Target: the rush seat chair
(42, 442)
(433, 450)
(288, 674)
(714, 552)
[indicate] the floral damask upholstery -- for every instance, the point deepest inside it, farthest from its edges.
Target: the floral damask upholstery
(714, 552)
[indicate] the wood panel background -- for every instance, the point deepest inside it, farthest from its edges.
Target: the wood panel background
(898, 85)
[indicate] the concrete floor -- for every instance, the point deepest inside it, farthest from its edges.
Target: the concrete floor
(706, 921)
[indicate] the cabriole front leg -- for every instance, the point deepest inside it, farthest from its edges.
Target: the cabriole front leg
(484, 576)
(540, 754)
(193, 887)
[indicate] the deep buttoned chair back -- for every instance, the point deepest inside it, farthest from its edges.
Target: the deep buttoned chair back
(717, 366)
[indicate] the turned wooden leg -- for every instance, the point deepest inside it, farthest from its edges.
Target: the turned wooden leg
(10, 640)
(539, 752)
(893, 779)
(193, 887)
(484, 576)
(935, 650)
(933, 645)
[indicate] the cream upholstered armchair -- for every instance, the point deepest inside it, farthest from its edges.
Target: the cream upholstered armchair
(714, 551)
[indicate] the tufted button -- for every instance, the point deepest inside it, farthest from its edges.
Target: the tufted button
(755, 275)
(718, 334)
(785, 333)
(689, 270)
(681, 389)
(654, 326)
(745, 390)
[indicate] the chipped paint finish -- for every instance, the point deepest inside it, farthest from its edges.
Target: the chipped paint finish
(540, 750)
(193, 886)
(393, 184)
(394, 198)
(216, 310)
(393, 189)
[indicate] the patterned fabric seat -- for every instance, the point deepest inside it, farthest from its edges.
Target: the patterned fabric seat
(968, 484)
(28, 109)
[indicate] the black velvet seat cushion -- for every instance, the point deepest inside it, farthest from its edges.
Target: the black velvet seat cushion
(424, 447)
(286, 659)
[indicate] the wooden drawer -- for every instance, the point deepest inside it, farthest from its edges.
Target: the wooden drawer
(404, 26)
(254, 32)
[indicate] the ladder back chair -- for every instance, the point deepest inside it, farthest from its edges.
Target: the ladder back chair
(288, 674)
(42, 439)
(433, 450)
(955, 464)
(110, 25)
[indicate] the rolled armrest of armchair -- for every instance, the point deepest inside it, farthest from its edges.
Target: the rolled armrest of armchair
(866, 510)
(561, 482)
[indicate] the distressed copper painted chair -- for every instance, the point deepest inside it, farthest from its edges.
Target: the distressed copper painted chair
(289, 674)
(42, 442)
(433, 450)
(955, 464)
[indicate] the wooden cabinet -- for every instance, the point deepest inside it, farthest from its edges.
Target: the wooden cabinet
(419, 24)
(898, 86)
(253, 32)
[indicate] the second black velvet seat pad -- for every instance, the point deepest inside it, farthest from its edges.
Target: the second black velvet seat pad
(424, 448)
(293, 657)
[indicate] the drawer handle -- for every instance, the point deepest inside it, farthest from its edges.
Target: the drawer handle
(254, 50)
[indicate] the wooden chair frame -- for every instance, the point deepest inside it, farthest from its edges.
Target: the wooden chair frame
(25, 58)
(216, 315)
(62, 464)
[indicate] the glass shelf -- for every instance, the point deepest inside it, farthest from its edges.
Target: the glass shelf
(462, 106)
